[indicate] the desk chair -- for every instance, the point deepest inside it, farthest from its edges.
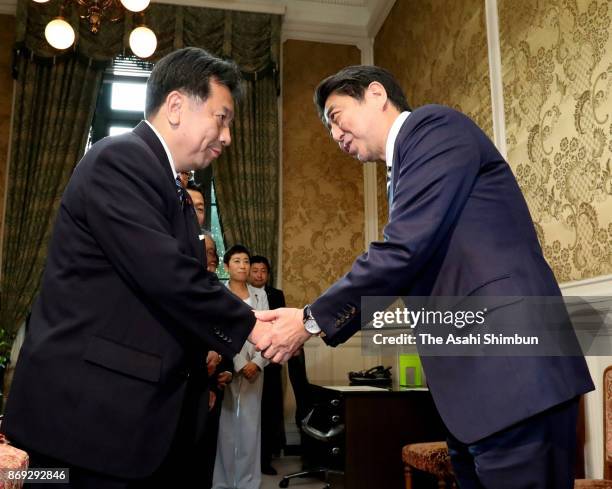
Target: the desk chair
(326, 436)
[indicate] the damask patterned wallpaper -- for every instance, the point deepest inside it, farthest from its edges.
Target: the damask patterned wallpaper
(323, 217)
(438, 51)
(7, 38)
(383, 204)
(557, 78)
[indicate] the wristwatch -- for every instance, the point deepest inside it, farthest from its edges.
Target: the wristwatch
(310, 324)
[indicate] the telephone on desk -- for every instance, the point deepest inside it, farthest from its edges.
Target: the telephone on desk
(378, 376)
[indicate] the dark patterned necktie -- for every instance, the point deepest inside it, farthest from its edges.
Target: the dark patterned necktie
(182, 194)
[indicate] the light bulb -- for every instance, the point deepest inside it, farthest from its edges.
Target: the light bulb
(59, 33)
(143, 41)
(41, 1)
(135, 5)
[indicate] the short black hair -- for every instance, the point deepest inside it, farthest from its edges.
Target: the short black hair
(234, 250)
(353, 81)
(191, 185)
(190, 70)
(260, 259)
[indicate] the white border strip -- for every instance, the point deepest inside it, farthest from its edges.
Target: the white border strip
(278, 266)
(370, 191)
(495, 74)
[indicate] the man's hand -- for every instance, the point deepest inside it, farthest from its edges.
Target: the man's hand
(285, 337)
(223, 379)
(212, 360)
(212, 398)
(260, 334)
(251, 371)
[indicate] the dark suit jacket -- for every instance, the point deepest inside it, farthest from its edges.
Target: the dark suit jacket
(276, 297)
(125, 316)
(458, 226)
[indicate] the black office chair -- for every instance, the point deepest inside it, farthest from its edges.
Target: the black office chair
(317, 416)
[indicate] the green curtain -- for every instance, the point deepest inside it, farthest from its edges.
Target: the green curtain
(54, 104)
(55, 100)
(246, 175)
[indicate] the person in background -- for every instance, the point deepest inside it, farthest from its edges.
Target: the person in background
(210, 247)
(220, 375)
(238, 461)
(199, 203)
(185, 177)
(272, 418)
(213, 263)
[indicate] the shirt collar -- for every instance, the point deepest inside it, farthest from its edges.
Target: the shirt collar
(393, 132)
(168, 154)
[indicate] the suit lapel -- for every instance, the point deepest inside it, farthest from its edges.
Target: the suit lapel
(396, 164)
(144, 132)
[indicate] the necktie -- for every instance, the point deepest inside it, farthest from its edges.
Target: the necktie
(182, 194)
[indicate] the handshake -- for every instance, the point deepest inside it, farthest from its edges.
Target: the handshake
(279, 334)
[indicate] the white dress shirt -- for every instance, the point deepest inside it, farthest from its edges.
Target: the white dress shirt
(165, 149)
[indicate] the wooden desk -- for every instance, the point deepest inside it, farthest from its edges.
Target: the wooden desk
(377, 424)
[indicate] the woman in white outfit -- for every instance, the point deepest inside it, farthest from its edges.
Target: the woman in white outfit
(238, 465)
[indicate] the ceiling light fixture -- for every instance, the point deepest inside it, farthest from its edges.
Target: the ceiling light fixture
(60, 34)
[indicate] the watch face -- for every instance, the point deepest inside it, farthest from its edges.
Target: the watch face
(312, 327)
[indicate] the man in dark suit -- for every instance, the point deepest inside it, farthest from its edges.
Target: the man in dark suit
(458, 225)
(272, 402)
(272, 418)
(111, 381)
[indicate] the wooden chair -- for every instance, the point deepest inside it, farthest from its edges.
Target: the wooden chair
(431, 458)
(605, 483)
(592, 484)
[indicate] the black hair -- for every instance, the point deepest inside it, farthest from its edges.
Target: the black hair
(234, 250)
(353, 81)
(190, 70)
(191, 185)
(260, 259)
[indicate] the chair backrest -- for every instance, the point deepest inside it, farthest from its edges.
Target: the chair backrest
(607, 413)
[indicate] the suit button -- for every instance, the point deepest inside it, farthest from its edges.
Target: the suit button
(229, 340)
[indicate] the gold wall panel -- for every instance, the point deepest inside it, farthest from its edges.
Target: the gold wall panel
(323, 206)
(557, 79)
(438, 52)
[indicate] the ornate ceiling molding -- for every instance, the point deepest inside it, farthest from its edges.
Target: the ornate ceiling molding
(314, 19)
(341, 21)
